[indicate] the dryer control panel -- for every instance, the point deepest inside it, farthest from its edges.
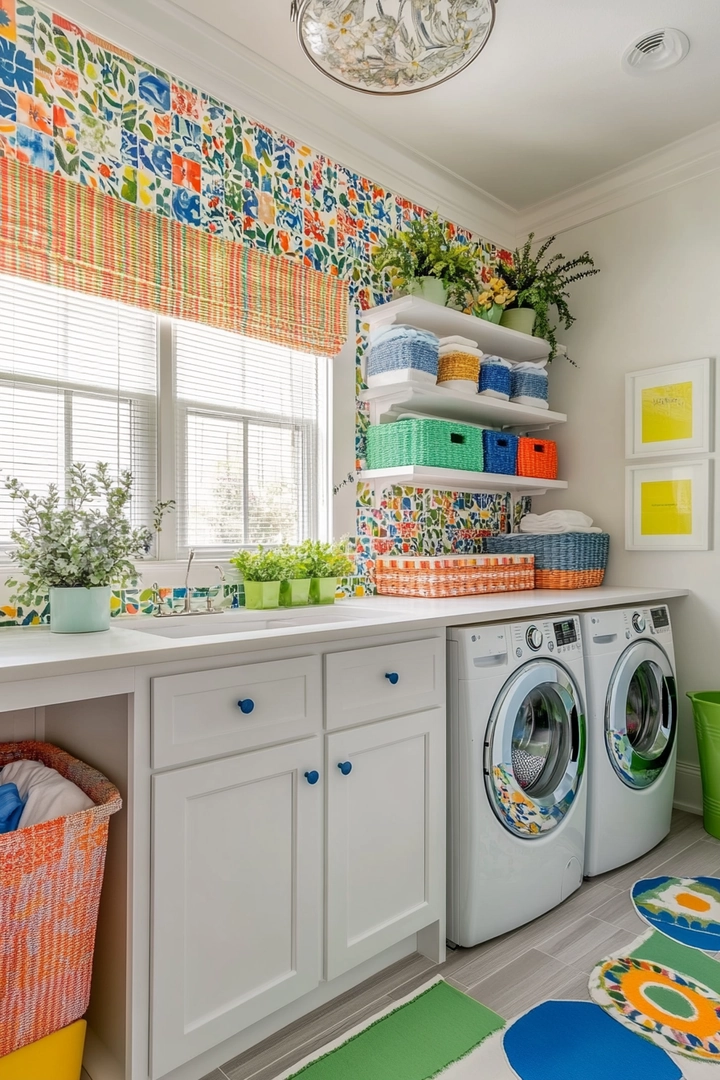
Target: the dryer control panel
(558, 636)
(647, 622)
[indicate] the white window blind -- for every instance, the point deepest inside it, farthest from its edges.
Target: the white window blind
(78, 382)
(251, 438)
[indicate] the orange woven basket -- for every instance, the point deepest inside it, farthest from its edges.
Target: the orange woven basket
(50, 880)
(537, 457)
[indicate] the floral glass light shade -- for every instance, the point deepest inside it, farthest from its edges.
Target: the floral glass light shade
(392, 47)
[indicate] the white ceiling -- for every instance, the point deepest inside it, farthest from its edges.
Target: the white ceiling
(544, 108)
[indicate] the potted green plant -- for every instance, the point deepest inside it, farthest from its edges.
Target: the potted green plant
(540, 287)
(78, 545)
(295, 589)
(326, 563)
(263, 572)
(425, 260)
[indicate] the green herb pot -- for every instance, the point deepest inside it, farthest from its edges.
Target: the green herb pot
(322, 590)
(493, 314)
(295, 593)
(519, 318)
(429, 288)
(262, 595)
(80, 611)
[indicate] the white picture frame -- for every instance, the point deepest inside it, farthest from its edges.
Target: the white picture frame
(676, 398)
(667, 506)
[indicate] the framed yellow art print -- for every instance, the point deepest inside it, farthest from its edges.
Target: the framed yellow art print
(668, 506)
(668, 410)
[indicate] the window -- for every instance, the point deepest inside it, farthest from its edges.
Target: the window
(241, 423)
(78, 382)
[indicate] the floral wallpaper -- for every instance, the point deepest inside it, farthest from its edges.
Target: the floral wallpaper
(73, 103)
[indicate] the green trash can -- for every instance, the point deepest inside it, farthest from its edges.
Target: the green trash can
(706, 711)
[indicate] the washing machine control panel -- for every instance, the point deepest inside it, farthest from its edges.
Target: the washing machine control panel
(647, 622)
(559, 637)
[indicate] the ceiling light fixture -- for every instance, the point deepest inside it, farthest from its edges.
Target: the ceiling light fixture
(656, 51)
(392, 47)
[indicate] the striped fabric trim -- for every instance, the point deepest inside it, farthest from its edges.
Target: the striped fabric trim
(63, 233)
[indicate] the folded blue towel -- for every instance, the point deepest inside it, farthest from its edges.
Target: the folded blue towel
(11, 807)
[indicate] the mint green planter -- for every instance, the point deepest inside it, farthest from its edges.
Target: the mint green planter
(322, 590)
(706, 712)
(519, 318)
(493, 315)
(429, 288)
(80, 611)
(295, 593)
(262, 595)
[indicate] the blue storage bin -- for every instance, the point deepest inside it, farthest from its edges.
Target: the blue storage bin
(403, 349)
(494, 379)
(529, 384)
(500, 452)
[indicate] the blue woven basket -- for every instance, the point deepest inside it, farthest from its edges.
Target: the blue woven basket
(403, 348)
(562, 560)
(528, 384)
(500, 452)
(495, 377)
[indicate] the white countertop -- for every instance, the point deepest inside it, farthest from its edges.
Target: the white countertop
(34, 652)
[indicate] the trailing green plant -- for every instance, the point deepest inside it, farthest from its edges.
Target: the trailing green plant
(326, 560)
(426, 248)
(262, 565)
(82, 539)
(543, 286)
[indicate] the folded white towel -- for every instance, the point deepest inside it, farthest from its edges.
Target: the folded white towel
(49, 795)
(538, 366)
(537, 403)
(558, 521)
(455, 339)
(465, 349)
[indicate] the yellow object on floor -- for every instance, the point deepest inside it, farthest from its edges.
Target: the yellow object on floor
(56, 1057)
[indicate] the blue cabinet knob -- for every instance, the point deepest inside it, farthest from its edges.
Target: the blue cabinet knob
(246, 705)
(392, 677)
(345, 767)
(312, 777)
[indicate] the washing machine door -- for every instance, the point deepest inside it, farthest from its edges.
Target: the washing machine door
(535, 749)
(641, 714)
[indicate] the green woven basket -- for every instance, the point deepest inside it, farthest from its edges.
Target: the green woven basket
(436, 443)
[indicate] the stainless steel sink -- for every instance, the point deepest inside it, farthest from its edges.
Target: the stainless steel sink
(239, 622)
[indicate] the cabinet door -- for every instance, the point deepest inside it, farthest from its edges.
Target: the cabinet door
(237, 873)
(385, 835)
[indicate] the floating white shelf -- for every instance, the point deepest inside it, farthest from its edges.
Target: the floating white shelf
(443, 321)
(421, 476)
(389, 402)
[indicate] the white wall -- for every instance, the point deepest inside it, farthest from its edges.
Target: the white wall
(656, 301)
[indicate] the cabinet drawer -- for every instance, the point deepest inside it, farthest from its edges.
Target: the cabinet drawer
(210, 713)
(371, 684)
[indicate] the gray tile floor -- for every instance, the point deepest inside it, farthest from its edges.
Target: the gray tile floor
(552, 956)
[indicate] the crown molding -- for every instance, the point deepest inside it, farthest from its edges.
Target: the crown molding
(672, 165)
(172, 38)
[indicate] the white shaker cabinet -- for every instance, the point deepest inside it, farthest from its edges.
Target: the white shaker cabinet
(237, 893)
(385, 835)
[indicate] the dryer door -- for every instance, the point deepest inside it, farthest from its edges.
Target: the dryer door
(535, 749)
(641, 714)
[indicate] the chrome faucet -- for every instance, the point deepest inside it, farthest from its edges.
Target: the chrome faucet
(186, 606)
(209, 608)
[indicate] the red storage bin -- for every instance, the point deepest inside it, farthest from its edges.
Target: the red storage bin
(537, 457)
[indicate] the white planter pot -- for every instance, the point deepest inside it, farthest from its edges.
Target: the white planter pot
(80, 611)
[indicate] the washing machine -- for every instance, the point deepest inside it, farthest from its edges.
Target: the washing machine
(632, 732)
(516, 764)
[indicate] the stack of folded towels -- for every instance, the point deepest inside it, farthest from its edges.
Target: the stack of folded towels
(558, 521)
(399, 348)
(459, 364)
(30, 792)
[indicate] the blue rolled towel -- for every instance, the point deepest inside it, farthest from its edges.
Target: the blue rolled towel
(11, 807)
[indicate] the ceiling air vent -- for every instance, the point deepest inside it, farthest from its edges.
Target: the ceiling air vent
(656, 51)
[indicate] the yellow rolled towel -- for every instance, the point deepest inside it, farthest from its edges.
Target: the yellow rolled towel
(458, 365)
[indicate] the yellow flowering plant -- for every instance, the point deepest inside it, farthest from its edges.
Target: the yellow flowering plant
(494, 292)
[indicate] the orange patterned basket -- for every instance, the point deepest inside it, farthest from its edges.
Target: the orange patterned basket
(537, 457)
(453, 575)
(50, 880)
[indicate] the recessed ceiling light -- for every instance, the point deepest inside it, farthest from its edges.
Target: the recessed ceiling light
(656, 51)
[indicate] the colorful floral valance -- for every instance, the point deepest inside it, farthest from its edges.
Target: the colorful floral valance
(63, 233)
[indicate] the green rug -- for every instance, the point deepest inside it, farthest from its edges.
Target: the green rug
(416, 1041)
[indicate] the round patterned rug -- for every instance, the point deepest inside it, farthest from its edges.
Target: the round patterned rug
(675, 1012)
(684, 909)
